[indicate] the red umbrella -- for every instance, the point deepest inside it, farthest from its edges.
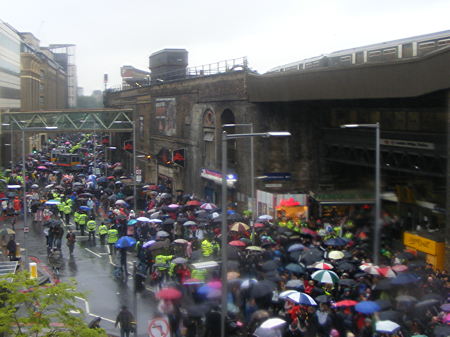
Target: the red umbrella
(308, 231)
(399, 268)
(169, 294)
(259, 225)
(193, 203)
(345, 303)
(110, 177)
(237, 243)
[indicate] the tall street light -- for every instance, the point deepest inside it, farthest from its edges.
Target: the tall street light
(377, 224)
(25, 215)
(224, 230)
(252, 175)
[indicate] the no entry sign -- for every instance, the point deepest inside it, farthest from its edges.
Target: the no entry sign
(159, 327)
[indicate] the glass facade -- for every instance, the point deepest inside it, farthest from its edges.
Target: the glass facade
(9, 68)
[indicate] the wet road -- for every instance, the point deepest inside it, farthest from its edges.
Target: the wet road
(91, 266)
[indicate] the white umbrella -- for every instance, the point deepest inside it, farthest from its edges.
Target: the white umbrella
(302, 298)
(34, 186)
(143, 219)
(155, 215)
(162, 234)
(265, 217)
(286, 293)
(335, 255)
(52, 202)
(121, 202)
(155, 220)
(272, 323)
(386, 326)
(13, 187)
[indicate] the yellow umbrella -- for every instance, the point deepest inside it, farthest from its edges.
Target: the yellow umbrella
(239, 227)
(255, 248)
(335, 255)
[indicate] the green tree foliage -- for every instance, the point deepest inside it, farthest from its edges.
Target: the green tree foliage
(27, 309)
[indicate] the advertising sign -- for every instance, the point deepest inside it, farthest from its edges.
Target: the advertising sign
(166, 116)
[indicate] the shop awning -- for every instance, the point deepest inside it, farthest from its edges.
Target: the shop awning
(344, 198)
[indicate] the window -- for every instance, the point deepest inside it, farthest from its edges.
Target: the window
(425, 45)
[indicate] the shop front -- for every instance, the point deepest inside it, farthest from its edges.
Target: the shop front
(212, 185)
(341, 204)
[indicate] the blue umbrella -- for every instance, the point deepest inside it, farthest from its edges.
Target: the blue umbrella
(204, 290)
(102, 180)
(335, 242)
(406, 278)
(295, 268)
(132, 222)
(367, 307)
(85, 208)
(295, 247)
(125, 242)
(52, 202)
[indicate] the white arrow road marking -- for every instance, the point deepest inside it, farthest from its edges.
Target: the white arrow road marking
(90, 251)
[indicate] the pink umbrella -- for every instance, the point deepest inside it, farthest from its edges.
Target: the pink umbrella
(41, 168)
(215, 284)
(173, 206)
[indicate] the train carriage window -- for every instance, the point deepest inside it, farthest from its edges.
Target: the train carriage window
(374, 53)
(425, 45)
(389, 51)
(346, 58)
(443, 42)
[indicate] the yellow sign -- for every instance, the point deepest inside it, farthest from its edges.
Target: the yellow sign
(420, 243)
(33, 270)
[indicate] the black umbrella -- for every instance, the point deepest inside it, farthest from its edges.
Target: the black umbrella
(262, 289)
(269, 265)
(272, 276)
(345, 266)
(384, 304)
(233, 253)
(198, 310)
(406, 256)
(384, 284)
(169, 221)
(233, 265)
(294, 256)
(323, 299)
(431, 296)
(347, 282)
(311, 256)
(159, 245)
(391, 315)
(234, 217)
(422, 305)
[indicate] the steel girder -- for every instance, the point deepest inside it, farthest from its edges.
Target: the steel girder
(73, 120)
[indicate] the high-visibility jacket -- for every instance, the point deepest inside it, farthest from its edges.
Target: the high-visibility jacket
(76, 217)
(67, 209)
(282, 224)
(61, 206)
(91, 225)
(199, 274)
(82, 219)
(290, 224)
(112, 235)
(102, 229)
(161, 261)
(69, 201)
(207, 248)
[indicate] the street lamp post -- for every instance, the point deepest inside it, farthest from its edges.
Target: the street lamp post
(377, 224)
(224, 229)
(252, 176)
(24, 200)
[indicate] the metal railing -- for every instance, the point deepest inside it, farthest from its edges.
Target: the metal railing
(219, 67)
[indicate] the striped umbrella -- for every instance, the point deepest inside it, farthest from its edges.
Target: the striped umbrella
(301, 298)
(387, 272)
(321, 265)
(370, 268)
(325, 276)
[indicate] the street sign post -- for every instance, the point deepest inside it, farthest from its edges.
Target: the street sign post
(159, 327)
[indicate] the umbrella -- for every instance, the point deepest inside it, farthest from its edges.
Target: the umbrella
(321, 265)
(189, 223)
(384, 284)
(264, 332)
(345, 303)
(441, 331)
(386, 326)
(153, 220)
(384, 304)
(125, 242)
(148, 243)
(269, 265)
(208, 206)
(173, 206)
(169, 294)
(335, 255)
(325, 276)
(387, 272)
(406, 256)
(159, 245)
(248, 283)
(237, 243)
(197, 310)
(307, 231)
(239, 227)
(295, 284)
(301, 298)
(121, 202)
(193, 203)
(204, 290)
(34, 186)
(369, 269)
(346, 266)
(255, 248)
(180, 241)
(262, 289)
(132, 222)
(87, 195)
(405, 299)
(335, 242)
(399, 268)
(295, 268)
(143, 219)
(52, 202)
(286, 293)
(162, 234)
(85, 208)
(295, 247)
(427, 304)
(403, 279)
(347, 282)
(179, 260)
(391, 315)
(272, 323)
(311, 255)
(42, 168)
(259, 225)
(367, 307)
(445, 307)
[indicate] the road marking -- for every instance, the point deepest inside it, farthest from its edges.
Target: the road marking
(90, 251)
(111, 261)
(103, 318)
(88, 311)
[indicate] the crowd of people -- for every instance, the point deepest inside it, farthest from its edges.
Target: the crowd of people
(287, 276)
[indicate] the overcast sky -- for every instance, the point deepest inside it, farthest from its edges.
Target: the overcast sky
(112, 33)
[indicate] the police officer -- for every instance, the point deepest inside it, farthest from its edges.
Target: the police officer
(162, 264)
(76, 219)
(91, 226)
(102, 231)
(112, 237)
(207, 248)
(82, 219)
(60, 207)
(67, 209)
